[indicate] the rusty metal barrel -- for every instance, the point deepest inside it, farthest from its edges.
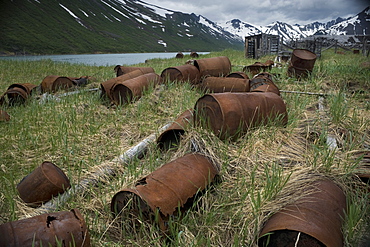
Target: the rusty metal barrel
(67, 228)
(224, 84)
(120, 70)
(166, 191)
(107, 86)
(320, 215)
(53, 83)
(171, 136)
(17, 93)
(263, 82)
(230, 115)
(238, 74)
(42, 184)
(182, 73)
(214, 66)
(302, 62)
(130, 90)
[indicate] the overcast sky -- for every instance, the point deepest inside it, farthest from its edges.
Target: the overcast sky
(264, 12)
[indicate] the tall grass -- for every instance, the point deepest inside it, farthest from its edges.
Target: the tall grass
(261, 172)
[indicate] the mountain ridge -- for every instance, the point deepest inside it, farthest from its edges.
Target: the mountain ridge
(121, 26)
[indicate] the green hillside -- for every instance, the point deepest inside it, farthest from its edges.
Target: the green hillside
(47, 27)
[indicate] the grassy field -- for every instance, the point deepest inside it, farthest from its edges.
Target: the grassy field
(261, 172)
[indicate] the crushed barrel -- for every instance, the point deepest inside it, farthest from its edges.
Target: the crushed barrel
(238, 74)
(165, 192)
(51, 229)
(46, 181)
(17, 93)
(230, 115)
(53, 83)
(263, 82)
(171, 136)
(320, 215)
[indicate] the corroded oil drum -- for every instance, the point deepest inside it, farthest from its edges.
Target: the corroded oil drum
(166, 191)
(238, 74)
(107, 86)
(130, 90)
(180, 55)
(224, 84)
(263, 82)
(120, 70)
(214, 66)
(67, 228)
(53, 83)
(193, 54)
(42, 184)
(230, 115)
(319, 215)
(17, 93)
(182, 73)
(171, 136)
(302, 62)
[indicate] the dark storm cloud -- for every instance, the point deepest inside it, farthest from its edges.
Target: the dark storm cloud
(264, 12)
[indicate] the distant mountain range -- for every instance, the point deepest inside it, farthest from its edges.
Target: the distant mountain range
(117, 26)
(355, 25)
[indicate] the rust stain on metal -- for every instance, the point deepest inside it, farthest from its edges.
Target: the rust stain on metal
(53, 83)
(263, 82)
(319, 214)
(224, 84)
(42, 184)
(214, 66)
(107, 86)
(257, 67)
(17, 93)
(238, 74)
(172, 135)
(120, 70)
(67, 227)
(168, 189)
(130, 90)
(302, 62)
(230, 115)
(182, 73)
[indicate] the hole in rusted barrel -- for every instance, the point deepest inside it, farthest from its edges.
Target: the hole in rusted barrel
(67, 227)
(42, 184)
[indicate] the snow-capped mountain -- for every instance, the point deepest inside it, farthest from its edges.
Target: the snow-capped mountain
(356, 25)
